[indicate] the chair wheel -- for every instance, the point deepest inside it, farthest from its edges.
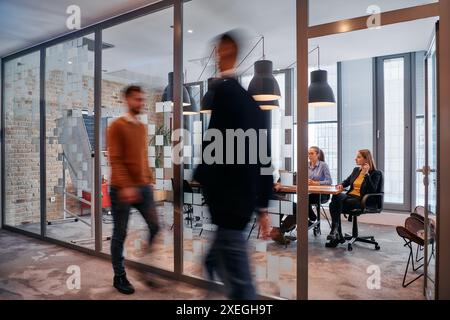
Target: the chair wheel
(377, 247)
(349, 247)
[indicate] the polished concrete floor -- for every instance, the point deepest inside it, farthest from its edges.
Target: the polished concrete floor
(31, 269)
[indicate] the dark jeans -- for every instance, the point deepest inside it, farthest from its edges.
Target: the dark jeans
(341, 203)
(228, 257)
(291, 220)
(121, 213)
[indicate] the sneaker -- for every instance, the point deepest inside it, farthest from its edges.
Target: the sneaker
(279, 238)
(122, 284)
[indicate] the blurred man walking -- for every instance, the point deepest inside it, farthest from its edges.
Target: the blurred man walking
(233, 191)
(131, 180)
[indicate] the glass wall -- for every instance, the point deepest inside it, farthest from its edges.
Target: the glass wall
(420, 127)
(140, 52)
(69, 101)
(22, 142)
(273, 265)
(374, 110)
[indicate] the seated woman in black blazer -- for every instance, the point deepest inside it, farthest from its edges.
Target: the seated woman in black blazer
(364, 179)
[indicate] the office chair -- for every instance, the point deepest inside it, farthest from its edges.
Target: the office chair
(354, 214)
(187, 208)
(413, 232)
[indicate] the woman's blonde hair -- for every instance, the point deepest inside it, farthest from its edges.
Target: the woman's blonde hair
(366, 154)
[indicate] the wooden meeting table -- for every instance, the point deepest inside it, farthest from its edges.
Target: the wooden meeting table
(320, 190)
(285, 189)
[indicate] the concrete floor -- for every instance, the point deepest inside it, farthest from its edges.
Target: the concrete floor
(31, 269)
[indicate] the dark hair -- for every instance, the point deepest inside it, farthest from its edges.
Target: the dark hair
(319, 151)
(127, 91)
(230, 38)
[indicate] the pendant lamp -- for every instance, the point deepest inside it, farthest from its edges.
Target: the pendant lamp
(269, 105)
(264, 86)
(168, 92)
(320, 92)
(191, 109)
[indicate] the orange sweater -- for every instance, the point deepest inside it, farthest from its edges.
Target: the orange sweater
(128, 154)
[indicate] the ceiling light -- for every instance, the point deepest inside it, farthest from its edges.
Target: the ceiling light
(320, 92)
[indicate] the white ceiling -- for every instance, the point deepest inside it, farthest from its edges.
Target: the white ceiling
(145, 45)
(24, 23)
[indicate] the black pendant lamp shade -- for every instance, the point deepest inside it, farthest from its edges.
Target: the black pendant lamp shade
(191, 109)
(269, 105)
(320, 92)
(207, 100)
(264, 86)
(168, 92)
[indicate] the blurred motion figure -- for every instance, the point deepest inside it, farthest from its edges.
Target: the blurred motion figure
(131, 180)
(233, 191)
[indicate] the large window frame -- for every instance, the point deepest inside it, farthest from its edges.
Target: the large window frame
(380, 131)
(304, 32)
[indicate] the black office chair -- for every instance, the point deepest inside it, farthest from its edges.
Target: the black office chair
(187, 208)
(354, 214)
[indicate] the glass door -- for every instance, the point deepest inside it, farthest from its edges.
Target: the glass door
(429, 171)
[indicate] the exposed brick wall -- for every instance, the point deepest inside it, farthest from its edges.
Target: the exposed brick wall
(22, 201)
(22, 139)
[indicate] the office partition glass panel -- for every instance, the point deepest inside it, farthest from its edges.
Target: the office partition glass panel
(326, 11)
(370, 98)
(273, 265)
(431, 167)
(69, 103)
(140, 52)
(22, 147)
(419, 127)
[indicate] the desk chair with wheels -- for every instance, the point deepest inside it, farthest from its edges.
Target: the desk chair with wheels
(377, 198)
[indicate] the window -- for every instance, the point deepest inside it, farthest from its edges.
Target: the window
(69, 78)
(357, 111)
(394, 126)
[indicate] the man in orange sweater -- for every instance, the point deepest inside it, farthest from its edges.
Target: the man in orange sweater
(131, 180)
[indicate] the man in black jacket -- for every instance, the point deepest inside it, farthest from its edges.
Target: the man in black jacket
(233, 189)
